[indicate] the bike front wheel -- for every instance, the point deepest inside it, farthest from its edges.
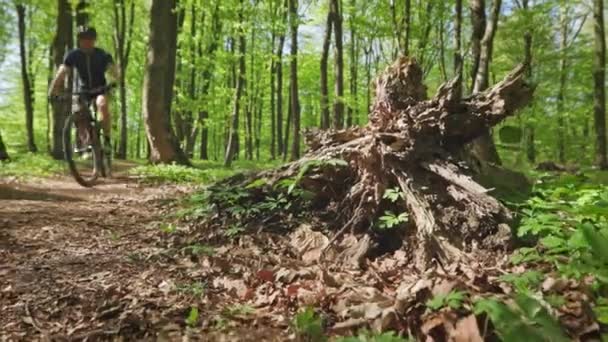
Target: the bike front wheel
(82, 150)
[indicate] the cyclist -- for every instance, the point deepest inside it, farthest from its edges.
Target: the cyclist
(91, 64)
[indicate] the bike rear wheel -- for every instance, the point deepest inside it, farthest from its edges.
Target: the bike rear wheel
(82, 151)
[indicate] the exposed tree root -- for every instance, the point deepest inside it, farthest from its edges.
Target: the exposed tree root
(411, 145)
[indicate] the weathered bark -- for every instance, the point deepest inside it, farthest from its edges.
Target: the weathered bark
(3, 153)
(413, 144)
(483, 148)
(335, 6)
(231, 148)
(293, 89)
(159, 78)
(325, 116)
(62, 42)
(599, 77)
(28, 91)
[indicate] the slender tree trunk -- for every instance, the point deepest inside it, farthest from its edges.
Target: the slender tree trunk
(338, 65)
(478, 24)
(3, 153)
(207, 74)
(407, 27)
(240, 89)
(250, 112)
(529, 128)
(280, 144)
(458, 65)
(122, 41)
(159, 78)
(353, 114)
(563, 74)
(62, 42)
(325, 116)
(82, 13)
(295, 100)
(28, 92)
(599, 76)
(484, 147)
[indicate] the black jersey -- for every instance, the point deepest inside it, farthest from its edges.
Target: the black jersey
(91, 67)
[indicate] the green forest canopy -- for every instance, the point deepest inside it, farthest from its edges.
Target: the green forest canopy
(559, 125)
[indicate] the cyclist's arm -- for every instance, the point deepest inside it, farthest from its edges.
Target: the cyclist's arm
(58, 82)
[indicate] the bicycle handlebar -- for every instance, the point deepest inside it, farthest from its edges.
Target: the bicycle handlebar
(98, 90)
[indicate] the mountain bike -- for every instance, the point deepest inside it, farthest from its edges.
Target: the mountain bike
(88, 158)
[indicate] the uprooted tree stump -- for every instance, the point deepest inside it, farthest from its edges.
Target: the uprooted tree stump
(412, 144)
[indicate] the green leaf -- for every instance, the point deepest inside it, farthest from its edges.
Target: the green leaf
(192, 319)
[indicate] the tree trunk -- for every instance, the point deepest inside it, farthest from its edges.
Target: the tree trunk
(231, 149)
(293, 89)
(123, 29)
(158, 84)
(206, 81)
(62, 42)
(599, 76)
(82, 13)
(458, 65)
(335, 6)
(563, 74)
(28, 91)
(191, 128)
(325, 116)
(3, 153)
(478, 25)
(353, 114)
(484, 148)
(529, 128)
(407, 27)
(411, 144)
(280, 145)
(250, 110)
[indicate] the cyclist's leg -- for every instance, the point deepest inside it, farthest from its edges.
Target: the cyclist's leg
(103, 106)
(82, 120)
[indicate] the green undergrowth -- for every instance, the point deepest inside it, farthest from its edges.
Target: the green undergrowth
(24, 165)
(202, 172)
(563, 232)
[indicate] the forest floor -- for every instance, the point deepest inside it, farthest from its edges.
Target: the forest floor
(92, 264)
(126, 260)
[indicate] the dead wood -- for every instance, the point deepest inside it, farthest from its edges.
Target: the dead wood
(412, 144)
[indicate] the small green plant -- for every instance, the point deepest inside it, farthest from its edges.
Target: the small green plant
(193, 317)
(394, 194)
(453, 299)
(390, 220)
(234, 231)
(526, 320)
(196, 289)
(168, 228)
(198, 249)
(308, 326)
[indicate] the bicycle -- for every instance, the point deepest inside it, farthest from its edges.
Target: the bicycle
(85, 154)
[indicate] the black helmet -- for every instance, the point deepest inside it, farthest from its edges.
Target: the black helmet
(87, 32)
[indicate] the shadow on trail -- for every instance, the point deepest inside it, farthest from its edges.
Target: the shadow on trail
(8, 192)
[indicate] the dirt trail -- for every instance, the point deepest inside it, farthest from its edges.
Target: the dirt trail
(88, 264)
